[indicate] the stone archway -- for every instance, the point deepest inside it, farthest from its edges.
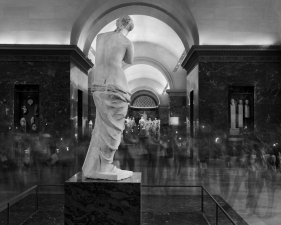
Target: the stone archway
(147, 93)
(96, 14)
(149, 103)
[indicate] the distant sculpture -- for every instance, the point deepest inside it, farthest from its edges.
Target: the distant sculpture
(240, 114)
(144, 115)
(23, 124)
(24, 109)
(30, 101)
(36, 110)
(111, 96)
(141, 122)
(32, 120)
(133, 122)
(34, 127)
(149, 123)
(247, 109)
(232, 114)
(128, 122)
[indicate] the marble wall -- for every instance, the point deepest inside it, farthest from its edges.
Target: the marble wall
(214, 81)
(178, 108)
(78, 81)
(164, 114)
(178, 105)
(54, 88)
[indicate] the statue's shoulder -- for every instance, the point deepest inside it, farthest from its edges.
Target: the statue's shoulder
(101, 35)
(124, 39)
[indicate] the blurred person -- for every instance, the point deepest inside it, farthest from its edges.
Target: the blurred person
(6, 163)
(252, 180)
(261, 176)
(271, 179)
(222, 163)
(240, 171)
(161, 159)
(169, 158)
(183, 146)
(152, 148)
(129, 140)
(176, 149)
(203, 154)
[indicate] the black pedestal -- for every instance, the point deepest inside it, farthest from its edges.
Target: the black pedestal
(90, 201)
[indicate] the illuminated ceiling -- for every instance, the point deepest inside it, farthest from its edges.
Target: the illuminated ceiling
(152, 30)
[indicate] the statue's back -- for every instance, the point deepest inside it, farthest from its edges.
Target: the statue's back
(111, 49)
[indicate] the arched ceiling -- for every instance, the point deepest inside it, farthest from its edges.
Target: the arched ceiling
(142, 71)
(151, 30)
(146, 83)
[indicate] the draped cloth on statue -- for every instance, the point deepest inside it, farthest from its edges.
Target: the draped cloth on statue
(111, 108)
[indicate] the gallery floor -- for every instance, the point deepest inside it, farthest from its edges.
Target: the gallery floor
(230, 184)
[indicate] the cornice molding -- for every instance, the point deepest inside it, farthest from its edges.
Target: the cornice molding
(45, 53)
(163, 106)
(231, 53)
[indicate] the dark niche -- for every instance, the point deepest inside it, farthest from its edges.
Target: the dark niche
(26, 108)
(241, 110)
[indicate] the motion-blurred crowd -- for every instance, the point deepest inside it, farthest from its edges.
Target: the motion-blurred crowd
(164, 155)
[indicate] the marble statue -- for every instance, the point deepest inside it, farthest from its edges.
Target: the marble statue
(24, 109)
(34, 127)
(111, 96)
(144, 115)
(23, 124)
(234, 130)
(240, 114)
(247, 109)
(32, 120)
(133, 122)
(232, 114)
(128, 122)
(36, 110)
(142, 123)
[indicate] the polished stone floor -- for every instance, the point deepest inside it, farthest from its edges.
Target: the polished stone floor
(234, 185)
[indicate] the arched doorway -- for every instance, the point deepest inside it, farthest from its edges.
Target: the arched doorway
(144, 103)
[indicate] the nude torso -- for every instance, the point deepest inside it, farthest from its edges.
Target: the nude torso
(111, 49)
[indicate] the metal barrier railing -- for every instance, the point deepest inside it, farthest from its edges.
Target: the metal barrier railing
(17, 198)
(202, 200)
(217, 207)
(8, 203)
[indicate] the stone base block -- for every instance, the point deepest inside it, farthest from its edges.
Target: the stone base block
(234, 131)
(90, 201)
